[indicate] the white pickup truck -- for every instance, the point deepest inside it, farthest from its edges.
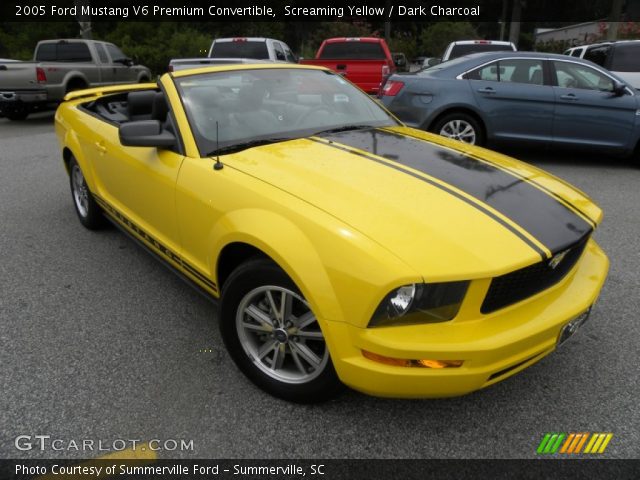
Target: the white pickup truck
(58, 67)
(239, 50)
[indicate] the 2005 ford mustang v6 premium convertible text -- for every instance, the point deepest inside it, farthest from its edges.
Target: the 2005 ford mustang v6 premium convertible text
(345, 247)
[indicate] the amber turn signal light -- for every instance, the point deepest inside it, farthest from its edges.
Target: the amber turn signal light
(402, 362)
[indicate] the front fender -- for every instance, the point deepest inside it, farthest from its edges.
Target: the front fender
(285, 244)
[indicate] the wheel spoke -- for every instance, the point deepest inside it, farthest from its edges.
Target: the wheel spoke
(304, 320)
(274, 310)
(266, 348)
(278, 356)
(313, 335)
(297, 361)
(286, 303)
(257, 328)
(306, 353)
(261, 317)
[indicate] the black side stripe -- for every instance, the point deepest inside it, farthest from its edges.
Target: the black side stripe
(478, 206)
(526, 179)
(151, 241)
(545, 218)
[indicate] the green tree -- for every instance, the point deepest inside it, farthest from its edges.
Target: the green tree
(435, 39)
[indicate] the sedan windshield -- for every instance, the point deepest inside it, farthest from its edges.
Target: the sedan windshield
(233, 109)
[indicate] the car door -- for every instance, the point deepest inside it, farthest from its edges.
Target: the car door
(122, 72)
(516, 103)
(587, 111)
(138, 182)
(107, 72)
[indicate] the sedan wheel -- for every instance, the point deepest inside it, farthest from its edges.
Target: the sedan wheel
(459, 130)
(273, 335)
(460, 126)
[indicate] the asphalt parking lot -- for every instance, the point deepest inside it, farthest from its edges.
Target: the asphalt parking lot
(99, 341)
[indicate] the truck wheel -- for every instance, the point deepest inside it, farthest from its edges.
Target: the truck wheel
(88, 211)
(17, 115)
(273, 336)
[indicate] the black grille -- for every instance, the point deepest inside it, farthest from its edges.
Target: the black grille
(526, 282)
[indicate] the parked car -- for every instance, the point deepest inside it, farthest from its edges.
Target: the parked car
(239, 50)
(366, 61)
(520, 97)
(621, 57)
(186, 63)
(59, 67)
(400, 61)
(467, 47)
(257, 48)
(344, 246)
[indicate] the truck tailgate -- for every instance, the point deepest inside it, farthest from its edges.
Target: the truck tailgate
(367, 74)
(17, 75)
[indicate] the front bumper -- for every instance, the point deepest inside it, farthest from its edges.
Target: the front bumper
(493, 346)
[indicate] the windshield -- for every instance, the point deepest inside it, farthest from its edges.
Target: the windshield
(251, 106)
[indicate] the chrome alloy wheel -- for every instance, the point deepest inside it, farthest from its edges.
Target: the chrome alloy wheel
(80, 191)
(459, 130)
(281, 335)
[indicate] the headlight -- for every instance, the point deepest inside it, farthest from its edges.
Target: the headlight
(420, 303)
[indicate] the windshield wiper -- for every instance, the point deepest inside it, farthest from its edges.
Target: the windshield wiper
(243, 146)
(344, 128)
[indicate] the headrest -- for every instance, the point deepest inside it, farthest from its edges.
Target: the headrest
(140, 103)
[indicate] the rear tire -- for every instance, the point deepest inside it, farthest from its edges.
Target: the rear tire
(460, 126)
(273, 336)
(89, 213)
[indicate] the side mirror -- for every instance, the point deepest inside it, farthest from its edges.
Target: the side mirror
(433, 61)
(619, 89)
(399, 62)
(145, 133)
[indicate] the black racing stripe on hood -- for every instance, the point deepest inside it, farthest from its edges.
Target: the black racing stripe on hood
(548, 220)
(456, 194)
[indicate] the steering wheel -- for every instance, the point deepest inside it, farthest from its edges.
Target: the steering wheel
(319, 108)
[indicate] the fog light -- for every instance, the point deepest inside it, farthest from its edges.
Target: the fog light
(402, 362)
(570, 328)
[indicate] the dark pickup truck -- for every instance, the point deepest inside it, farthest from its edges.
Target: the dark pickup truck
(366, 61)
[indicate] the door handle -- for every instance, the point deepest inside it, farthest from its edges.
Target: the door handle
(487, 90)
(341, 66)
(100, 146)
(569, 96)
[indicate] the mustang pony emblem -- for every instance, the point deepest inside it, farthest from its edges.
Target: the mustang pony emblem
(555, 261)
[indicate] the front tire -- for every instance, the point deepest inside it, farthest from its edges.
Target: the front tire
(460, 126)
(273, 336)
(89, 213)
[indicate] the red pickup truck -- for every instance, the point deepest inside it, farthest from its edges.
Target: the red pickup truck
(366, 61)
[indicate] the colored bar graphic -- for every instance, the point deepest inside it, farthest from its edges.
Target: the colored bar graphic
(606, 442)
(543, 443)
(583, 439)
(567, 443)
(572, 443)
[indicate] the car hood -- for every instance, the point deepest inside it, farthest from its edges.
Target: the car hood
(447, 209)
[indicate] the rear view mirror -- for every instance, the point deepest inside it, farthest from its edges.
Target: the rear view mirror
(145, 133)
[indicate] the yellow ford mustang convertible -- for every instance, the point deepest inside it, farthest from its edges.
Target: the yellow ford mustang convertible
(345, 247)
